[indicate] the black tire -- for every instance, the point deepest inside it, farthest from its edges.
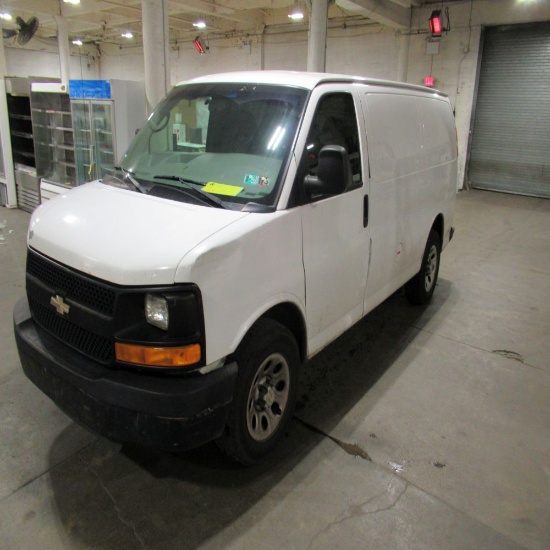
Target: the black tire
(420, 288)
(267, 384)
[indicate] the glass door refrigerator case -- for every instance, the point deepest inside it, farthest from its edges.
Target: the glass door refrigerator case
(106, 116)
(95, 145)
(53, 136)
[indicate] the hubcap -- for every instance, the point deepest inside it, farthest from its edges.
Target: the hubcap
(431, 266)
(268, 397)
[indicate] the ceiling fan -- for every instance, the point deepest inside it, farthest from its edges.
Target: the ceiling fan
(25, 30)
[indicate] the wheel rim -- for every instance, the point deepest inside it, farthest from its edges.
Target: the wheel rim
(431, 268)
(268, 397)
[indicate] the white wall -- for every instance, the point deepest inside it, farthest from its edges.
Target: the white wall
(357, 52)
(222, 55)
(455, 66)
(353, 51)
(369, 50)
(23, 62)
(454, 69)
(284, 51)
(186, 62)
(122, 64)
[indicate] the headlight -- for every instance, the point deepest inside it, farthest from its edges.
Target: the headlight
(156, 311)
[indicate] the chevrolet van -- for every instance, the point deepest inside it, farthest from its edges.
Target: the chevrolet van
(255, 217)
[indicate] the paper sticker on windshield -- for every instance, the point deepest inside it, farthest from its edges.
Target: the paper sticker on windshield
(253, 179)
(222, 189)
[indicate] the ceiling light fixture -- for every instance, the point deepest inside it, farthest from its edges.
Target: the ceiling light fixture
(199, 24)
(296, 13)
(5, 15)
(77, 42)
(72, 2)
(127, 35)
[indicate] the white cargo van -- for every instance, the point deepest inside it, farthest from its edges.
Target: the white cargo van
(255, 217)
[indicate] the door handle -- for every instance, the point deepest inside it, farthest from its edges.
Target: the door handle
(365, 211)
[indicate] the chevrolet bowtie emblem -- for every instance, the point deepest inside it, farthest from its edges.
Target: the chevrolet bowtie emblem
(60, 306)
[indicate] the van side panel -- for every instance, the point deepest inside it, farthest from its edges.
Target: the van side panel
(440, 149)
(413, 170)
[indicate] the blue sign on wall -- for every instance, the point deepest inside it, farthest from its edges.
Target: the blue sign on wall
(89, 89)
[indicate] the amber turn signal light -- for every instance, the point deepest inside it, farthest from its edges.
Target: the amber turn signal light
(158, 357)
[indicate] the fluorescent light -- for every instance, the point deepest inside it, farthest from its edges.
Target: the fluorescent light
(5, 15)
(127, 35)
(72, 1)
(296, 13)
(77, 42)
(199, 24)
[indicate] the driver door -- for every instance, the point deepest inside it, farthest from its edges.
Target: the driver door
(335, 228)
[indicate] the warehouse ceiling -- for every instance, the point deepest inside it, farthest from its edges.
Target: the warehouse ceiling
(101, 22)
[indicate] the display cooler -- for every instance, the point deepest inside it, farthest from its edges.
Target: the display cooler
(80, 131)
(106, 116)
(21, 141)
(53, 138)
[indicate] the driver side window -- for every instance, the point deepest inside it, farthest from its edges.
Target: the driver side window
(334, 123)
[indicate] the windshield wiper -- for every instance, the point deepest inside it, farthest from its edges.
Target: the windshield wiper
(194, 189)
(129, 175)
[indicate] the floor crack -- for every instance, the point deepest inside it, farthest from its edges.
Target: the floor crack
(113, 500)
(510, 355)
(362, 509)
(351, 448)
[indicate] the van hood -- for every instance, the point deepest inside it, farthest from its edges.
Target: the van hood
(121, 236)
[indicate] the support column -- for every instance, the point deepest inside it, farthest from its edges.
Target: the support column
(63, 46)
(3, 68)
(156, 50)
(7, 175)
(317, 42)
(403, 60)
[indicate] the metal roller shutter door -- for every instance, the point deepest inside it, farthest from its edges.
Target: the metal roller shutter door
(511, 137)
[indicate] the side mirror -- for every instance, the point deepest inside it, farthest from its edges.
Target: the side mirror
(333, 172)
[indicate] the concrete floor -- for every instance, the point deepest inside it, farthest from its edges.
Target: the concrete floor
(419, 428)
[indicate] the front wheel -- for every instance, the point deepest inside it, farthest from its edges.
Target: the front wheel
(420, 288)
(267, 383)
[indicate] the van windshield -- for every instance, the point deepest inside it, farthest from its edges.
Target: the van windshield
(227, 140)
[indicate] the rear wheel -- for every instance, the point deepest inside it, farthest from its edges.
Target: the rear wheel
(265, 394)
(420, 288)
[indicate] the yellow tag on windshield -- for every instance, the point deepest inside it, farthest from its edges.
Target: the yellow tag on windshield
(222, 189)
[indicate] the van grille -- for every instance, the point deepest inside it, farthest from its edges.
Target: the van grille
(76, 337)
(93, 302)
(84, 291)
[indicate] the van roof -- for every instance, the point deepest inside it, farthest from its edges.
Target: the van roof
(303, 79)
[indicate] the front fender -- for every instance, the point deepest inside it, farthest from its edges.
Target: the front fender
(243, 271)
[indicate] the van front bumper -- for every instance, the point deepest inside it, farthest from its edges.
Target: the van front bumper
(166, 412)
